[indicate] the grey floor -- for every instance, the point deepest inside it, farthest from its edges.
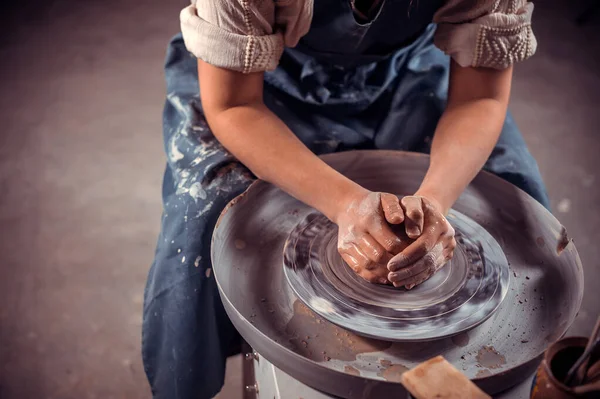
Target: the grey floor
(81, 92)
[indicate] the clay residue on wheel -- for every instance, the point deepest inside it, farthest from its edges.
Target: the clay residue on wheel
(351, 370)
(489, 357)
(563, 241)
(323, 341)
(393, 372)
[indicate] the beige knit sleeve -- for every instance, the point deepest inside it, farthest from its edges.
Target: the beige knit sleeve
(485, 33)
(244, 35)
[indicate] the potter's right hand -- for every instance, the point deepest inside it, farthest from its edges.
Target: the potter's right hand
(365, 240)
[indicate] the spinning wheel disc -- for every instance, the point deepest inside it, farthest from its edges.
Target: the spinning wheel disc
(546, 285)
(461, 295)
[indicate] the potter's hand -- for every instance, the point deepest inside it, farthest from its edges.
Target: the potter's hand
(433, 246)
(365, 240)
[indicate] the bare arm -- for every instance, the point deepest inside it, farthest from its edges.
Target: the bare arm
(234, 108)
(463, 141)
(233, 105)
(467, 132)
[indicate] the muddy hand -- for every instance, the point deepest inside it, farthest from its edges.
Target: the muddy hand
(365, 240)
(433, 246)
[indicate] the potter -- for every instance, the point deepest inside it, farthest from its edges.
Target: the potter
(258, 88)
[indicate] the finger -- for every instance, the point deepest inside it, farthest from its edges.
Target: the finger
(374, 279)
(355, 259)
(411, 282)
(352, 262)
(377, 275)
(424, 275)
(451, 244)
(384, 235)
(413, 215)
(407, 272)
(359, 263)
(448, 255)
(373, 250)
(412, 253)
(439, 256)
(391, 208)
(429, 264)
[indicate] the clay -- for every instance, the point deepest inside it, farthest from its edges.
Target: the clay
(511, 217)
(563, 241)
(460, 296)
(490, 358)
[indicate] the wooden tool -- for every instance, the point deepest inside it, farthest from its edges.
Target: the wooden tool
(436, 378)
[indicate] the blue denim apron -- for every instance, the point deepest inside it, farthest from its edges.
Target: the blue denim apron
(347, 85)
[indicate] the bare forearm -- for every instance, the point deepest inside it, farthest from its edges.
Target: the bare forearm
(464, 140)
(467, 132)
(234, 107)
(262, 142)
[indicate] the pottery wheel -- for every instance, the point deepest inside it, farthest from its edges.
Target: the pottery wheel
(461, 295)
(502, 222)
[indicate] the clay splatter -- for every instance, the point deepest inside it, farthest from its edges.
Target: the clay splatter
(197, 261)
(240, 244)
(208, 271)
(197, 192)
(489, 358)
(563, 241)
(174, 153)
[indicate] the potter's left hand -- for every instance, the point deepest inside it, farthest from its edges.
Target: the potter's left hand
(433, 246)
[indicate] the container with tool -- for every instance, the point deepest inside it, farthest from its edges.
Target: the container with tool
(570, 369)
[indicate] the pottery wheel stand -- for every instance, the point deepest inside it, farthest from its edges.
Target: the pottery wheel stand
(317, 331)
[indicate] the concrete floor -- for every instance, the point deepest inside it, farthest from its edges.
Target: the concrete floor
(81, 93)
